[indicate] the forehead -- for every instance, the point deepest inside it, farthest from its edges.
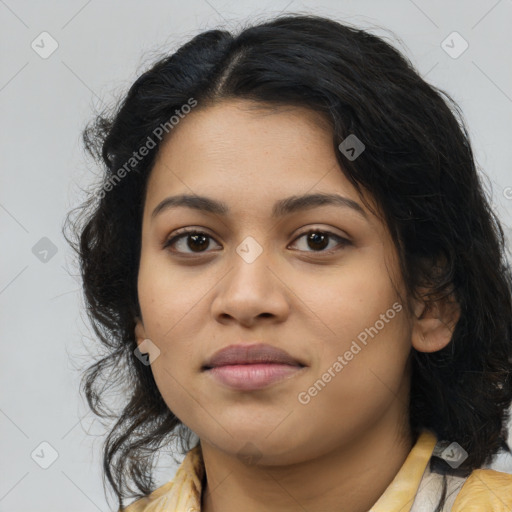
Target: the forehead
(236, 132)
(250, 153)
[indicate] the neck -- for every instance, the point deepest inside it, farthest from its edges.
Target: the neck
(350, 477)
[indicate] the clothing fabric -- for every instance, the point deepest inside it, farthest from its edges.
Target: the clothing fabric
(415, 487)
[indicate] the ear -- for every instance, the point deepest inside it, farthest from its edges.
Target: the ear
(434, 323)
(140, 333)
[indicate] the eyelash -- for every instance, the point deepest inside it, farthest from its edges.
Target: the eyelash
(343, 242)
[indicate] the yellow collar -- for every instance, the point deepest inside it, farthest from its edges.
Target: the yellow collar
(401, 492)
(184, 491)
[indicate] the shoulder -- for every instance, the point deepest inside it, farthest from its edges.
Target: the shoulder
(485, 490)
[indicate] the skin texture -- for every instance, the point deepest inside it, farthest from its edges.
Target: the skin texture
(340, 450)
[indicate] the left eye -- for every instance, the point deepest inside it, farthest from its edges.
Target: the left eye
(320, 239)
(198, 241)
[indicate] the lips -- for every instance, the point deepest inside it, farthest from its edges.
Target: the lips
(258, 353)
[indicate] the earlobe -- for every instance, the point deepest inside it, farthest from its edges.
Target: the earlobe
(434, 324)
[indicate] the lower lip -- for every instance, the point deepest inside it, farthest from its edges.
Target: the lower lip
(248, 377)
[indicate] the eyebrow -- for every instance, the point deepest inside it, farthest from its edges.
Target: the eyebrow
(281, 208)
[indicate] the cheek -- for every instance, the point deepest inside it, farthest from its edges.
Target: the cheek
(171, 308)
(165, 290)
(168, 296)
(359, 318)
(347, 300)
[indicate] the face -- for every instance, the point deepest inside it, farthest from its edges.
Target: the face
(243, 276)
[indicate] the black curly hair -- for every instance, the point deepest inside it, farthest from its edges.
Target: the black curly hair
(418, 166)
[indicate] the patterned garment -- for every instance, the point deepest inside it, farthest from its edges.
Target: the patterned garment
(414, 489)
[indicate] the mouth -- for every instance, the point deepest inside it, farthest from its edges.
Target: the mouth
(251, 367)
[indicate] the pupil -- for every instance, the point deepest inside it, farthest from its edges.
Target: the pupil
(195, 238)
(318, 238)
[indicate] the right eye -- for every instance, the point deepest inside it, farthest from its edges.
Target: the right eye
(193, 239)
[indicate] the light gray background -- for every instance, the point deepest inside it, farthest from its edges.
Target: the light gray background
(45, 103)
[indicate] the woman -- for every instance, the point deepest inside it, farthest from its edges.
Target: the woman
(292, 258)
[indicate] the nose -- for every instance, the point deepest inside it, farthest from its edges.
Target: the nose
(250, 292)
